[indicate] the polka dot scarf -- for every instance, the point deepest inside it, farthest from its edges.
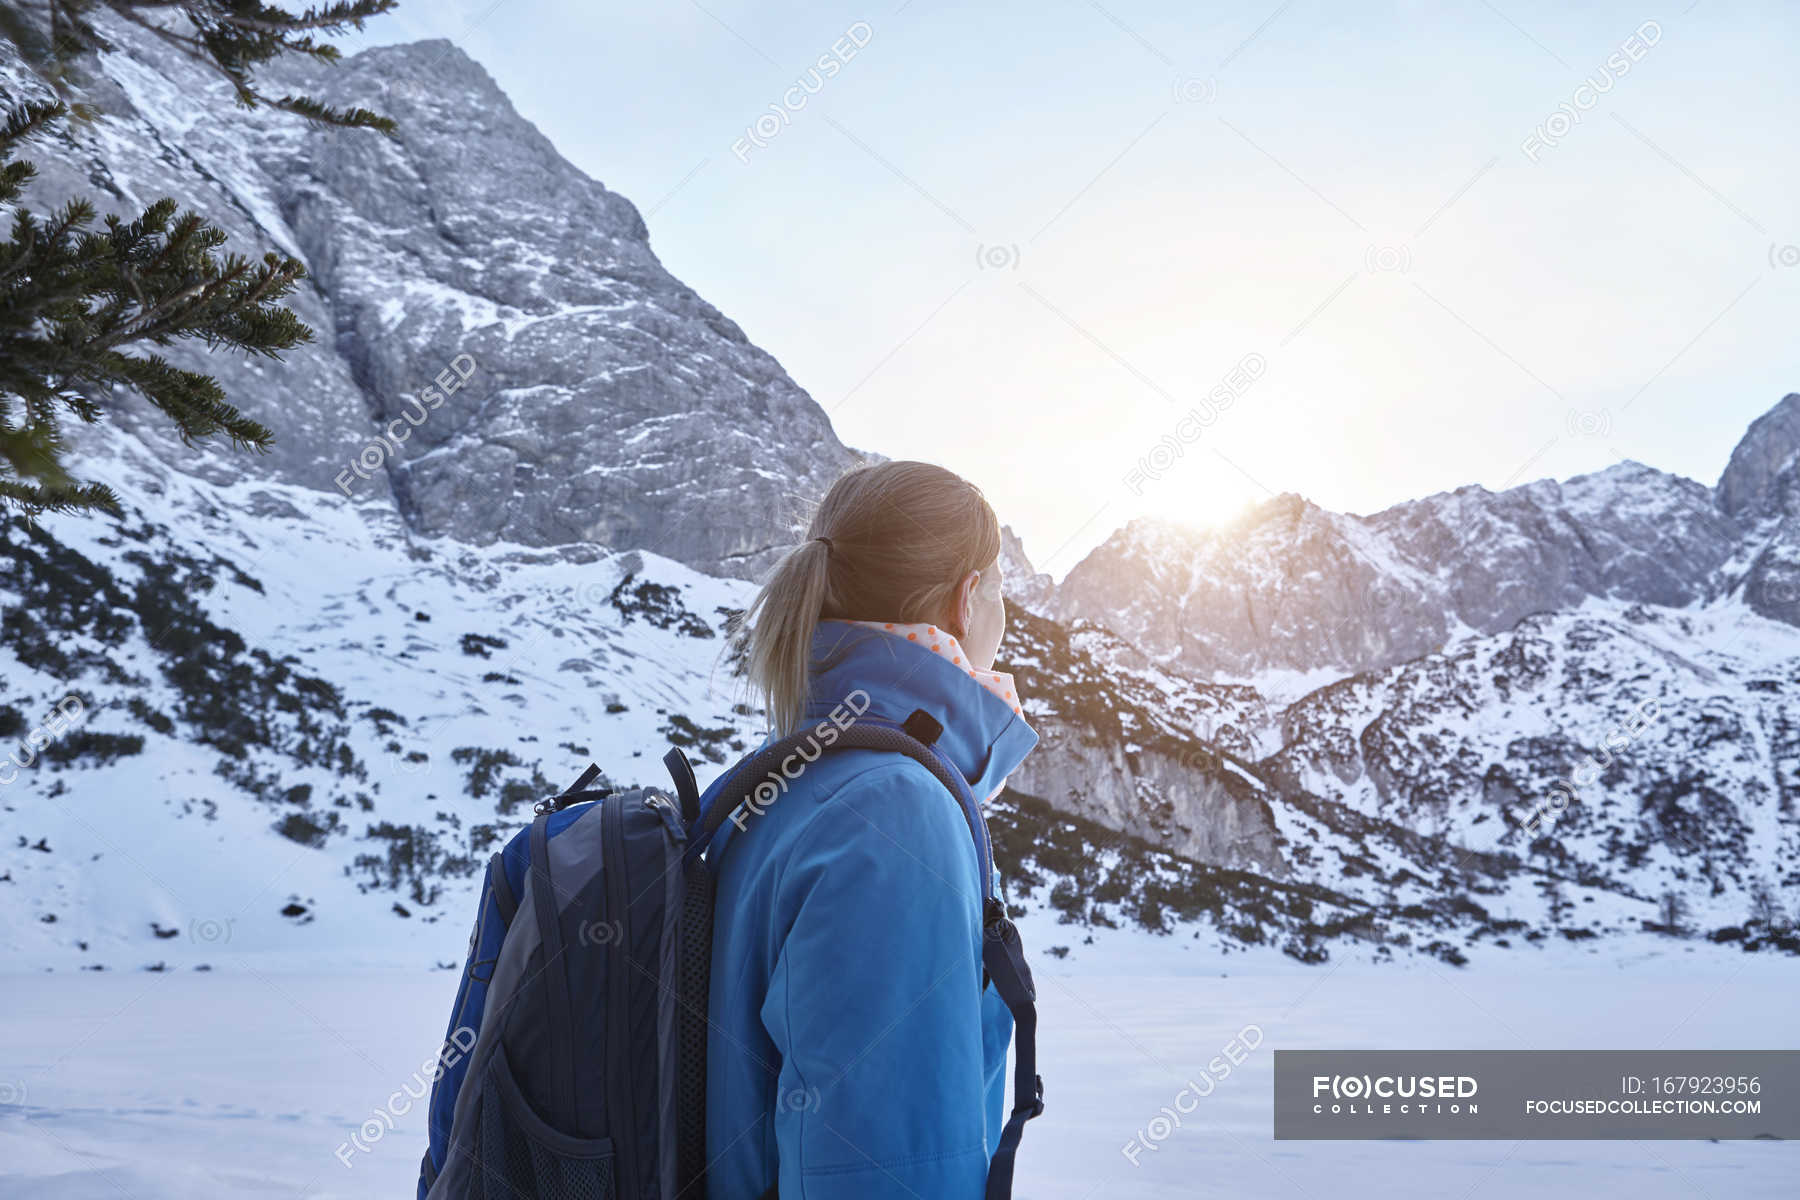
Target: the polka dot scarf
(944, 644)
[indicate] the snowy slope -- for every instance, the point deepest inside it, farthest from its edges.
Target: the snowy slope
(331, 715)
(1657, 749)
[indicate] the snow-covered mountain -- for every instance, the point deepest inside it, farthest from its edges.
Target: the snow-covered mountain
(1291, 586)
(249, 719)
(501, 357)
(287, 706)
(1599, 676)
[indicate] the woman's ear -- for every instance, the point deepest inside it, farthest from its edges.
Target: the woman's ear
(962, 605)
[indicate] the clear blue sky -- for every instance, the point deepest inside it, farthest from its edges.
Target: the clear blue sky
(1025, 239)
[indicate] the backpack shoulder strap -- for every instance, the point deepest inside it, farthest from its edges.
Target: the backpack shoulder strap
(552, 970)
(866, 733)
(504, 899)
(682, 773)
(1004, 958)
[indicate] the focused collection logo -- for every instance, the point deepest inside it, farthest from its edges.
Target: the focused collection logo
(1369, 1095)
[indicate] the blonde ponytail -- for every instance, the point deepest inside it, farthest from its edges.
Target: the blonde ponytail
(889, 542)
(782, 619)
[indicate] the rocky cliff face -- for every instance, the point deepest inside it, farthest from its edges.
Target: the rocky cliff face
(1142, 752)
(500, 355)
(1758, 481)
(1024, 585)
(1761, 489)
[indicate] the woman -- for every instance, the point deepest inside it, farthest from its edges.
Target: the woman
(854, 1049)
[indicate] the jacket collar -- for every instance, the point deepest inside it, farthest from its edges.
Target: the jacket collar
(983, 737)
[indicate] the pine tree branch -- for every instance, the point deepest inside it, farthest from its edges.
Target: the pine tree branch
(334, 19)
(233, 38)
(196, 50)
(35, 499)
(80, 308)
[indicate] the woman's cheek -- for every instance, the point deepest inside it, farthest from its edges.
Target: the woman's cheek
(990, 625)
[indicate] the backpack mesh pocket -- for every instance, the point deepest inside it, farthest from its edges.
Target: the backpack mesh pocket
(521, 1156)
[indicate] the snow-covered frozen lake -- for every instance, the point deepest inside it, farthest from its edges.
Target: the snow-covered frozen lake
(247, 1081)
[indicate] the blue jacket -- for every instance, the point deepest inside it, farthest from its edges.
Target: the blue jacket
(853, 1046)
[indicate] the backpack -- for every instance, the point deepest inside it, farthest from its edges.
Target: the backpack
(575, 1063)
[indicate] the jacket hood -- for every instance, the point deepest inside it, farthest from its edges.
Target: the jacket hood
(983, 737)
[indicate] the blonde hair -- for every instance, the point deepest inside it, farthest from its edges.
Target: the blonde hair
(902, 535)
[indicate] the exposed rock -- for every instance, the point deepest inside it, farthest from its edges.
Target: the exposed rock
(1292, 586)
(468, 279)
(1024, 585)
(1758, 481)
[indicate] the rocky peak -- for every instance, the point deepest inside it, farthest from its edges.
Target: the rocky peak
(1024, 585)
(501, 356)
(1752, 484)
(1291, 586)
